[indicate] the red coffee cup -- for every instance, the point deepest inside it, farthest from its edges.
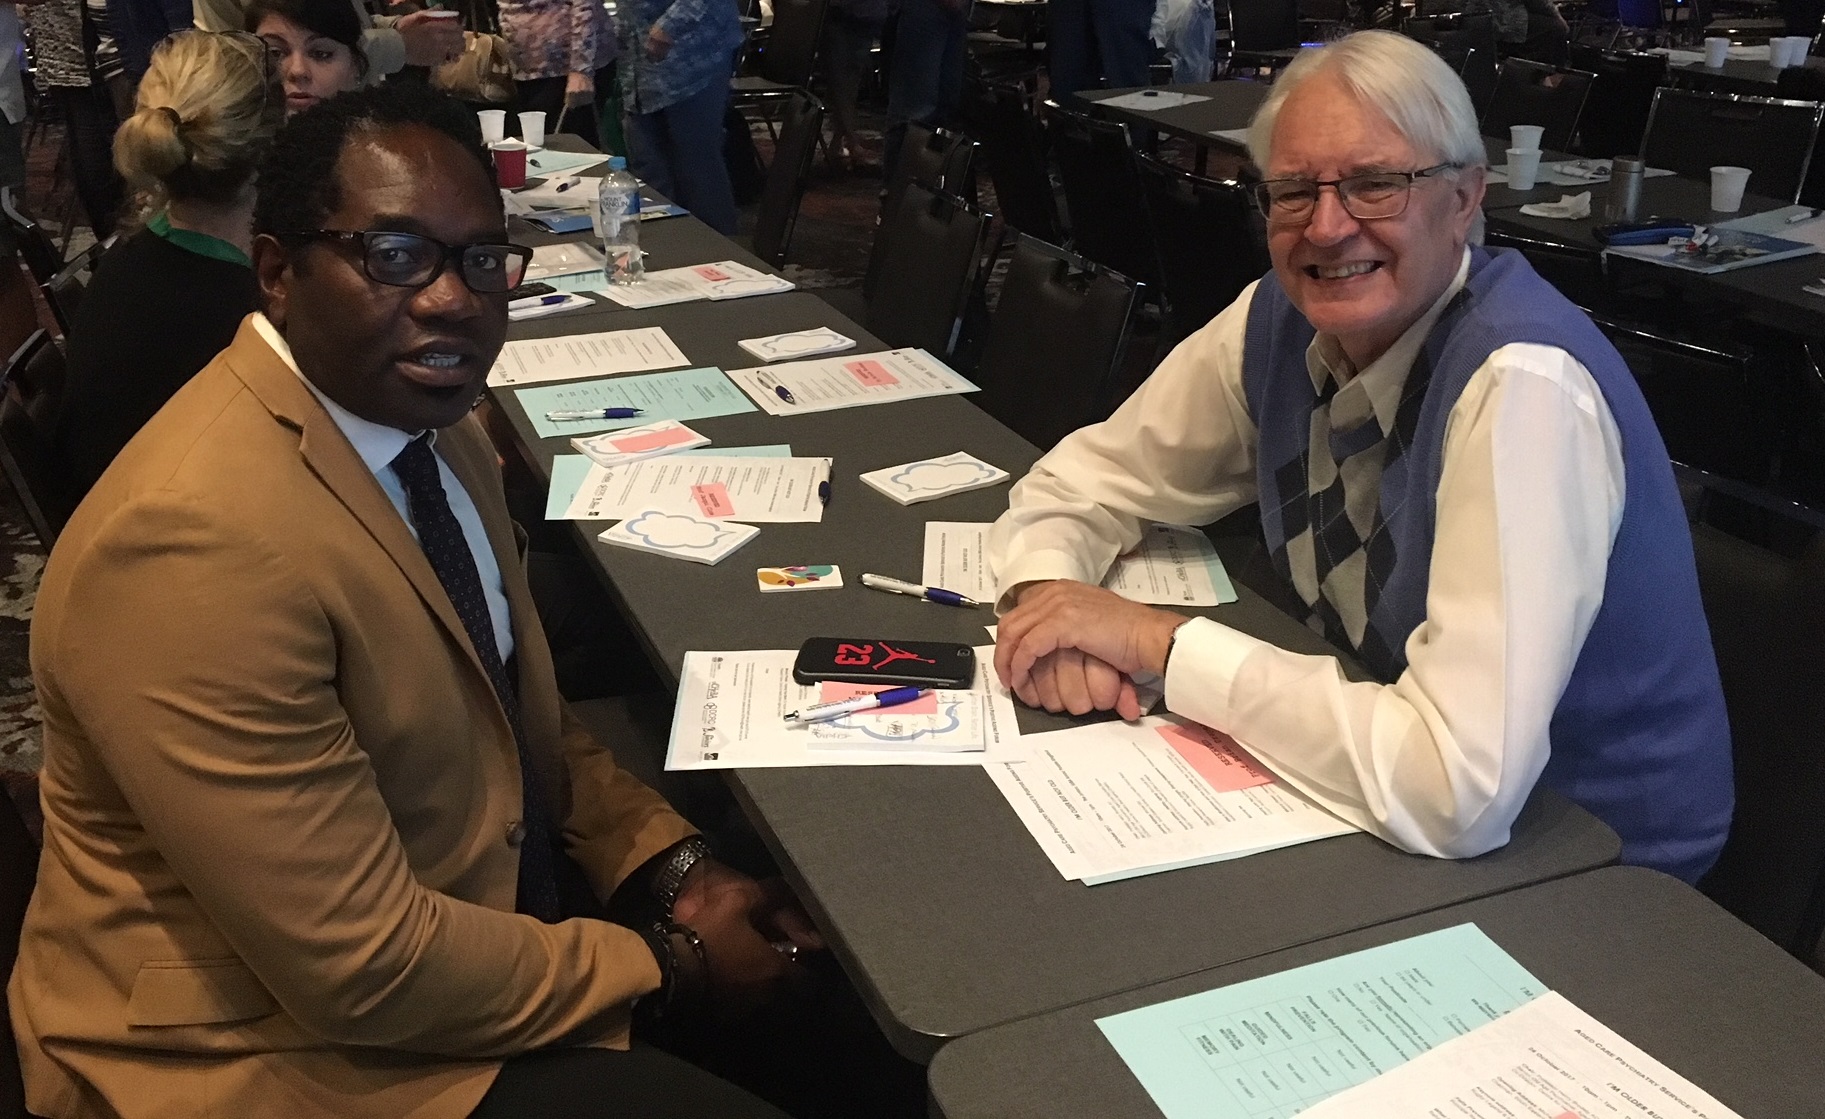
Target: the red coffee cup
(510, 164)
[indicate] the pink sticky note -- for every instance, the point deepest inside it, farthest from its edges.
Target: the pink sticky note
(712, 273)
(651, 440)
(872, 374)
(713, 499)
(1216, 757)
(833, 691)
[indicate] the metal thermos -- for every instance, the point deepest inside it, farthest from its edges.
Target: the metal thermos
(1625, 188)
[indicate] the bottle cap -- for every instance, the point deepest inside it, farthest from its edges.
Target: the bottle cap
(617, 163)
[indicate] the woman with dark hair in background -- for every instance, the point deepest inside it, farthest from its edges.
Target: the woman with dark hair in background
(314, 47)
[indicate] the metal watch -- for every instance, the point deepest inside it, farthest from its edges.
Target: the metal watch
(671, 874)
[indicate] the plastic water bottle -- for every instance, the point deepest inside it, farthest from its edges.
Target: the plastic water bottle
(619, 224)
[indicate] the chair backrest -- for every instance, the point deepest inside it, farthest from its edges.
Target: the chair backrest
(1210, 240)
(63, 291)
(802, 120)
(18, 874)
(790, 57)
(1478, 69)
(1641, 15)
(1803, 83)
(933, 246)
(36, 248)
(32, 393)
(1535, 93)
(1055, 343)
(1102, 192)
(1263, 25)
(1013, 150)
(1616, 112)
(938, 158)
(1688, 133)
(1766, 609)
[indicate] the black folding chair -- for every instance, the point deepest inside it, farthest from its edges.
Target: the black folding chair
(943, 160)
(64, 290)
(1765, 601)
(1535, 93)
(1688, 133)
(1055, 344)
(1616, 112)
(998, 118)
(29, 400)
(36, 248)
(1477, 68)
(788, 58)
(932, 250)
(1102, 192)
(1263, 34)
(785, 186)
(1210, 240)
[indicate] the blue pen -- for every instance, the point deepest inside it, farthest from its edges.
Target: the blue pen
(929, 594)
(779, 390)
(598, 414)
(892, 697)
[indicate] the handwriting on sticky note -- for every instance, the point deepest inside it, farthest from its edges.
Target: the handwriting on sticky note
(712, 273)
(713, 499)
(1216, 758)
(832, 691)
(872, 374)
(651, 440)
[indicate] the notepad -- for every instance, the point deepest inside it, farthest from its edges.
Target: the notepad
(679, 536)
(932, 478)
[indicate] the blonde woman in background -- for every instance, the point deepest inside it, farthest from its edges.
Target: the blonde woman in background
(167, 298)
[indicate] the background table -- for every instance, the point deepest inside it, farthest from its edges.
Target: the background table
(1231, 105)
(1736, 75)
(1649, 957)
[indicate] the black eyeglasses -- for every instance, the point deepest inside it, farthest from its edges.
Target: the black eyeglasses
(407, 260)
(1371, 195)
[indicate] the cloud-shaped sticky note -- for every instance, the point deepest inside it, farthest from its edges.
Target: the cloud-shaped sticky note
(674, 530)
(932, 477)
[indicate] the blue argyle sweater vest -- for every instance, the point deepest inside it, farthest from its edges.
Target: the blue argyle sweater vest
(1640, 736)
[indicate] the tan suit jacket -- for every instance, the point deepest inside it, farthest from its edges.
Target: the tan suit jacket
(281, 798)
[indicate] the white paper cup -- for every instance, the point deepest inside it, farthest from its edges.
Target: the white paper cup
(1526, 137)
(1523, 168)
(532, 128)
(1780, 53)
(1727, 185)
(1798, 47)
(1716, 50)
(494, 125)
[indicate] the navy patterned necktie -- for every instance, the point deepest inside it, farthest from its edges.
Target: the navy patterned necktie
(442, 538)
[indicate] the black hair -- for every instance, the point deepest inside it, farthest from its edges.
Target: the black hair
(332, 19)
(298, 185)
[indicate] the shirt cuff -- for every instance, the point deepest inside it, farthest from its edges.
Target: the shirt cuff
(1206, 658)
(1036, 567)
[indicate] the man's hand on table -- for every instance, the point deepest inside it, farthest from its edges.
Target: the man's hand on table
(1069, 646)
(740, 922)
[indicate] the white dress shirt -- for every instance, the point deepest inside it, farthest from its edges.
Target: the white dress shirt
(378, 445)
(1529, 501)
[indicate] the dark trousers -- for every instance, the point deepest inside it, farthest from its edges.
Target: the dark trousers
(678, 151)
(1096, 39)
(608, 1084)
(88, 113)
(546, 95)
(925, 81)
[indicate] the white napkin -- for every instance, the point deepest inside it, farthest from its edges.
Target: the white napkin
(1571, 207)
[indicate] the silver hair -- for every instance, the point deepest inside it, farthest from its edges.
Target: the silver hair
(1403, 80)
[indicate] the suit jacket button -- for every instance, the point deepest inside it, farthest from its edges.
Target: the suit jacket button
(516, 832)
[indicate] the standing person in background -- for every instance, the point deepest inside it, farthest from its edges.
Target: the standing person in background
(138, 25)
(851, 29)
(1096, 40)
(388, 43)
(925, 82)
(63, 45)
(12, 104)
(563, 59)
(313, 47)
(675, 64)
(169, 298)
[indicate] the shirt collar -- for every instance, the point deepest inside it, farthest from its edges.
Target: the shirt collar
(202, 244)
(377, 444)
(1383, 379)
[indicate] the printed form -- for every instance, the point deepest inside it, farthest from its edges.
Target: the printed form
(1117, 800)
(758, 490)
(533, 360)
(794, 387)
(732, 707)
(1173, 565)
(1270, 1048)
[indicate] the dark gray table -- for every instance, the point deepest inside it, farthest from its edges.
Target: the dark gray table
(1646, 955)
(1232, 105)
(1757, 79)
(940, 906)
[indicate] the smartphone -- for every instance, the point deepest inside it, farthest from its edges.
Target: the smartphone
(874, 660)
(533, 291)
(560, 222)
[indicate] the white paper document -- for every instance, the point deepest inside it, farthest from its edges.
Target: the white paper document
(794, 387)
(723, 279)
(932, 478)
(530, 361)
(732, 707)
(752, 490)
(1172, 566)
(1117, 800)
(1148, 100)
(1546, 1059)
(563, 259)
(679, 536)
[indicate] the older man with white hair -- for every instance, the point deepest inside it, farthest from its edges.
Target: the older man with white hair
(1457, 477)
